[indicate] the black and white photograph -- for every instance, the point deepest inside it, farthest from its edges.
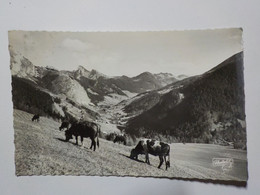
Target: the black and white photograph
(157, 104)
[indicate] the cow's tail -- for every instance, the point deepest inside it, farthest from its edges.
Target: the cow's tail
(168, 162)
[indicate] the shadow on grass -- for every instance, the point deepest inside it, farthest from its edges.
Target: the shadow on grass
(79, 146)
(62, 140)
(131, 158)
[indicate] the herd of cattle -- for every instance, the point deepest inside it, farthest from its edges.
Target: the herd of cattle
(92, 130)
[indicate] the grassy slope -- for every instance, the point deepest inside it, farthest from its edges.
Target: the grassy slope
(40, 150)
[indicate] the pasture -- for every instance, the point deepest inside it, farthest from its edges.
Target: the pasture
(40, 149)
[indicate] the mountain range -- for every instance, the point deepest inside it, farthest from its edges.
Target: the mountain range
(80, 88)
(202, 108)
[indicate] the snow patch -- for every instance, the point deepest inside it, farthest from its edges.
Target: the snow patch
(56, 108)
(167, 90)
(92, 92)
(164, 91)
(129, 94)
(112, 99)
(181, 96)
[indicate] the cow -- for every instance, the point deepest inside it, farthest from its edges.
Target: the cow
(64, 124)
(110, 136)
(120, 138)
(156, 148)
(84, 129)
(36, 117)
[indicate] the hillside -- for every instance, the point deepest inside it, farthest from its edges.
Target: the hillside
(205, 109)
(41, 150)
(28, 96)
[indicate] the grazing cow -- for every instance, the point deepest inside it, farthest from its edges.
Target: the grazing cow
(110, 136)
(36, 117)
(120, 138)
(156, 148)
(64, 124)
(84, 129)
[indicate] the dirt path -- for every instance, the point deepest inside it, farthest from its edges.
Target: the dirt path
(41, 150)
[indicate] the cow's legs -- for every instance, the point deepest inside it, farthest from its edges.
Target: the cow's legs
(76, 140)
(161, 161)
(147, 158)
(93, 143)
(82, 143)
(166, 162)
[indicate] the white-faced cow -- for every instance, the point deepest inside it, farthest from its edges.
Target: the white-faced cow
(120, 138)
(36, 117)
(64, 124)
(84, 129)
(156, 148)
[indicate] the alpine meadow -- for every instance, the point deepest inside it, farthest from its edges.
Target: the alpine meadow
(167, 104)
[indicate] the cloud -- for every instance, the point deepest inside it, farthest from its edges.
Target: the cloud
(75, 45)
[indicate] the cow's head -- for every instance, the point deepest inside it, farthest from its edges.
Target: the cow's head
(133, 154)
(68, 135)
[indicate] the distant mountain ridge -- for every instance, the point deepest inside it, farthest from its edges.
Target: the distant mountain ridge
(82, 87)
(203, 108)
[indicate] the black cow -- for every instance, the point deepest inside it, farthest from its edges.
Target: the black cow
(36, 117)
(64, 124)
(84, 129)
(156, 148)
(120, 138)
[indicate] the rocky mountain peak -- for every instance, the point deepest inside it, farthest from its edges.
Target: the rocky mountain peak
(81, 72)
(21, 66)
(94, 74)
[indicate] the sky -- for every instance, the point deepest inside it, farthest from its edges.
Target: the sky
(190, 52)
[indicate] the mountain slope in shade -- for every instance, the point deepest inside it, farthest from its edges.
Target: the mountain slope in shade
(145, 101)
(203, 110)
